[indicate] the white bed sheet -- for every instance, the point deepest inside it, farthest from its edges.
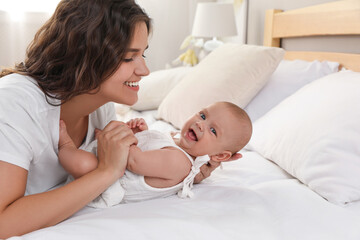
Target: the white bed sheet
(250, 198)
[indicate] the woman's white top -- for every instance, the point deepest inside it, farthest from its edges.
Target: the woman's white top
(133, 188)
(29, 131)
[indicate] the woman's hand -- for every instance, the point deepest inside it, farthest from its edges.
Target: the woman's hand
(113, 147)
(206, 170)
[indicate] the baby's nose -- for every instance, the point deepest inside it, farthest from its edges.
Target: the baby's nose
(200, 125)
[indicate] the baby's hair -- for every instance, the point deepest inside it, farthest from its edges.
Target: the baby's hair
(244, 123)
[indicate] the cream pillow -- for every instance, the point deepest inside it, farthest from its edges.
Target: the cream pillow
(288, 77)
(232, 72)
(315, 136)
(155, 86)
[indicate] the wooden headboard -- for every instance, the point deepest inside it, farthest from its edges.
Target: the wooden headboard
(334, 18)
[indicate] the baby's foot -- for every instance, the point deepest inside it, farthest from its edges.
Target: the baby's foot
(64, 138)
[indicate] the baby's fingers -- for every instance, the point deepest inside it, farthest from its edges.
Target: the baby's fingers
(130, 123)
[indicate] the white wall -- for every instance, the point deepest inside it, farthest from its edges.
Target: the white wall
(15, 35)
(172, 21)
(170, 27)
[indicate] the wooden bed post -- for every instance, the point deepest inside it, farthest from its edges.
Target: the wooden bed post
(269, 40)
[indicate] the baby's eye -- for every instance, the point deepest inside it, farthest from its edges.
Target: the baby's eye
(202, 116)
(213, 131)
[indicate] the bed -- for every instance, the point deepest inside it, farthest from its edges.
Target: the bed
(299, 175)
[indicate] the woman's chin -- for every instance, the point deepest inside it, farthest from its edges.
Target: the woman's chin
(128, 101)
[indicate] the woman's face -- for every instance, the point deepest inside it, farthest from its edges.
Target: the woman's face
(123, 86)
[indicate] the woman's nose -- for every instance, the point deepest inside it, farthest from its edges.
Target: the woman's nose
(142, 69)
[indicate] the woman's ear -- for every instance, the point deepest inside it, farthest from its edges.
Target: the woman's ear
(221, 157)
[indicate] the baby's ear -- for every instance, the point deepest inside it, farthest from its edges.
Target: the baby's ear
(221, 157)
(235, 156)
(225, 156)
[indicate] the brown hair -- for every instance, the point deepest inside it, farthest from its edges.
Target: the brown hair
(80, 46)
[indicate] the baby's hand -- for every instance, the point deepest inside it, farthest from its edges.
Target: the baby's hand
(137, 125)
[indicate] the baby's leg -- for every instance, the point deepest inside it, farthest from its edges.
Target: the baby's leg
(75, 161)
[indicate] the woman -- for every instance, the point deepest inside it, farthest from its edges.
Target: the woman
(90, 53)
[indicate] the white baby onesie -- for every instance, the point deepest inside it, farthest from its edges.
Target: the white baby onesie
(133, 188)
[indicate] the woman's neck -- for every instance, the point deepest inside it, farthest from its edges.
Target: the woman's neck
(80, 107)
(76, 112)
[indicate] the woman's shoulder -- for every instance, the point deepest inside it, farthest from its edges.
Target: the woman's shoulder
(18, 87)
(22, 91)
(23, 102)
(15, 79)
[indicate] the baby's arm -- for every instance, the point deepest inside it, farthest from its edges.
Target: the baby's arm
(75, 161)
(167, 165)
(137, 125)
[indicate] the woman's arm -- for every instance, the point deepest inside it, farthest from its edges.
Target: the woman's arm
(21, 214)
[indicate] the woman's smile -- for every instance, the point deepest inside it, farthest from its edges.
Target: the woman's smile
(133, 85)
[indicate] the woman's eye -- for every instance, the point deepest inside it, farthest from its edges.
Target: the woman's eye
(143, 56)
(213, 131)
(128, 59)
(202, 116)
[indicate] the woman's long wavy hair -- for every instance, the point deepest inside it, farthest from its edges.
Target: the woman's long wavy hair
(80, 46)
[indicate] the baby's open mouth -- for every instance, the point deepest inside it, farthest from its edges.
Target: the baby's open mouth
(192, 135)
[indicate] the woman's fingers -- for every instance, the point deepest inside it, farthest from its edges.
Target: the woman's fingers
(113, 147)
(113, 124)
(206, 170)
(97, 133)
(114, 128)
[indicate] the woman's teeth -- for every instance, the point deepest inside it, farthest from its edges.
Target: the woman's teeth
(132, 84)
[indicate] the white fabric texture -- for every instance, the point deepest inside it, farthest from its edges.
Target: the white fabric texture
(232, 72)
(29, 131)
(155, 87)
(251, 198)
(133, 188)
(314, 135)
(288, 77)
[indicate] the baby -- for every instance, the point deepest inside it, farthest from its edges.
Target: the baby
(161, 165)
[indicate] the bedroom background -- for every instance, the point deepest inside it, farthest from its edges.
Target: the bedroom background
(20, 19)
(299, 175)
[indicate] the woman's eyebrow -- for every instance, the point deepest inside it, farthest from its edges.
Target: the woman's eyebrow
(136, 49)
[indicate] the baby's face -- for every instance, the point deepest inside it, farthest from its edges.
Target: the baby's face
(209, 131)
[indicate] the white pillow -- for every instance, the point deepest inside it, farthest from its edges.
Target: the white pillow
(288, 77)
(232, 72)
(315, 136)
(155, 86)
